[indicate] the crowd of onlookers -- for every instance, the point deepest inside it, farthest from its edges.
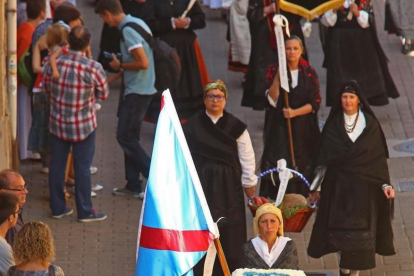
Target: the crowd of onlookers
(59, 96)
(23, 247)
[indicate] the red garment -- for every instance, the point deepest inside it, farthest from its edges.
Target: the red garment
(24, 38)
(72, 95)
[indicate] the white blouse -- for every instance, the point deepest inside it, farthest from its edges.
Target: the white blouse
(329, 19)
(246, 156)
(263, 250)
(359, 127)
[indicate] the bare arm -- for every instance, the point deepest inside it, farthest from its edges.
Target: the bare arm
(52, 61)
(140, 61)
(36, 58)
(113, 77)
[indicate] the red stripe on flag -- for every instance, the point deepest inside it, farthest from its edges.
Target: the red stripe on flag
(162, 102)
(174, 240)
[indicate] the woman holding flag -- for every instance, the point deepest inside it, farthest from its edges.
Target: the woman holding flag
(305, 99)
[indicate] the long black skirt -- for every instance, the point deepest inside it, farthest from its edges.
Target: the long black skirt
(224, 193)
(188, 96)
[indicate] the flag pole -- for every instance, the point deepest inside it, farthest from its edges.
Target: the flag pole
(288, 121)
(222, 258)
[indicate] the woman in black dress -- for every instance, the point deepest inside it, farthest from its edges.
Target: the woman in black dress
(356, 206)
(263, 49)
(305, 99)
(179, 34)
(354, 52)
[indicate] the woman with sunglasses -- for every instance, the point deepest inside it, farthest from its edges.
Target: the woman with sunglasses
(304, 99)
(225, 162)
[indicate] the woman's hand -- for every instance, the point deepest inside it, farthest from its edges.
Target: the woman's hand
(389, 193)
(250, 191)
(181, 23)
(314, 196)
(289, 113)
(354, 9)
(269, 9)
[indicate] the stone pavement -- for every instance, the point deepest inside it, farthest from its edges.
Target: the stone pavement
(108, 248)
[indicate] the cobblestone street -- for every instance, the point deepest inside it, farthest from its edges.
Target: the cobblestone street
(108, 248)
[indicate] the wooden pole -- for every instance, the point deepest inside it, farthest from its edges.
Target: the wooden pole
(222, 258)
(289, 123)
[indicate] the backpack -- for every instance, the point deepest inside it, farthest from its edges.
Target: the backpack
(166, 59)
(25, 69)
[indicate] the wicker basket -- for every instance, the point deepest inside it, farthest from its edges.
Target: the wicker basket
(295, 223)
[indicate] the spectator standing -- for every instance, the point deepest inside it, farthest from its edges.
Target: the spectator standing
(9, 213)
(36, 12)
(224, 158)
(139, 78)
(34, 250)
(73, 123)
(111, 37)
(13, 183)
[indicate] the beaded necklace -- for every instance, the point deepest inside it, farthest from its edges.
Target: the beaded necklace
(350, 128)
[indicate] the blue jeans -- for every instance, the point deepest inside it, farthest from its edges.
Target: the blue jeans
(131, 114)
(83, 152)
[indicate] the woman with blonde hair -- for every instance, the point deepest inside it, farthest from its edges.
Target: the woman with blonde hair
(34, 251)
(269, 249)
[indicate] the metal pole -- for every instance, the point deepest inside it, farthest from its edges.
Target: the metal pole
(12, 74)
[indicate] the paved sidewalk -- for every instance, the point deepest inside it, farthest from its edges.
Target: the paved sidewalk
(108, 247)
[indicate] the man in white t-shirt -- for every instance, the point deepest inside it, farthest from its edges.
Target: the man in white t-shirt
(9, 213)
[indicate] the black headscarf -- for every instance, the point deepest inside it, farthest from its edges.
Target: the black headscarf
(336, 116)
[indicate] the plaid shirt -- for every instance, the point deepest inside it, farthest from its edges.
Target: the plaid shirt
(72, 95)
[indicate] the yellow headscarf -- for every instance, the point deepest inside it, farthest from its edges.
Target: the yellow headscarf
(268, 208)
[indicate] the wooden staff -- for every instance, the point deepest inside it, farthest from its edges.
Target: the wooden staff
(222, 258)
(289, 123)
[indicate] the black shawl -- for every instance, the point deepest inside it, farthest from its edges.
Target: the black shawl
(215, 154)
(354, 214)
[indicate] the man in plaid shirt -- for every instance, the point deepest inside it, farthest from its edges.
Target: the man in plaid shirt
(73, 123)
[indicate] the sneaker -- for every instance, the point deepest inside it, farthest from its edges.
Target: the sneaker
(93, 217)
(96, 187)
(93, 169)
(45, 170)
(67, 212)
(93, 194)
(126, 192)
